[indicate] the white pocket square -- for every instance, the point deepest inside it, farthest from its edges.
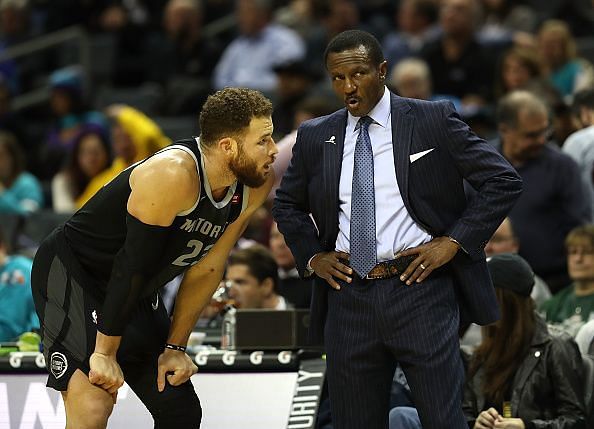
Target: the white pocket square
(418, 155)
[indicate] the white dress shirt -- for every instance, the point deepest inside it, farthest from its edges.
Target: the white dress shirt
(395, 229)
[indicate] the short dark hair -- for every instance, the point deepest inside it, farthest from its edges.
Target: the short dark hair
(228, 113)
(259, 260)
(583, 98)
(352, 39)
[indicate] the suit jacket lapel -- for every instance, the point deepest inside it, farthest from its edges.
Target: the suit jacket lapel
(332, 167)
(402, 126)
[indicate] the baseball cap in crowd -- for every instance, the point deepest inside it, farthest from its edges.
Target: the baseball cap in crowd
(511, 271)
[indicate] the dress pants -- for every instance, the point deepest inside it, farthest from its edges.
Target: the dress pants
(371, 325)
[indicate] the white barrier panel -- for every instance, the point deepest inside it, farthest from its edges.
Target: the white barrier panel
(229, 400)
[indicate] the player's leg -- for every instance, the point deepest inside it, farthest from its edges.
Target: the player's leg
(68, 315)
(142, 343)
(87, 406)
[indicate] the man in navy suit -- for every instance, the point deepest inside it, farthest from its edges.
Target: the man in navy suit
(428, 270)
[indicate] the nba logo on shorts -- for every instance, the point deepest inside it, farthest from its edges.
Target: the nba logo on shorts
(58, 364)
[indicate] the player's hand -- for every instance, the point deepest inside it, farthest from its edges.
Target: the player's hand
(328, 265)
(431, 256)
(175, 366)
(106, 373)
(486, 419)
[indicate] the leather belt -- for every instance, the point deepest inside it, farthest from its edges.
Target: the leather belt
(391, 268)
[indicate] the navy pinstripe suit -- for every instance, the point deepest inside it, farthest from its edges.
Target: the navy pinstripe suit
(368, 325)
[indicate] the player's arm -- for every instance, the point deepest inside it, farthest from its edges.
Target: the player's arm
(160, 188)
(201, 281)
(197, 288)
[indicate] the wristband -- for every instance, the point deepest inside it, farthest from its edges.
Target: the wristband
(175, 347)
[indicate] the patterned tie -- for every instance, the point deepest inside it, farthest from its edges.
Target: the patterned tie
(363, 245)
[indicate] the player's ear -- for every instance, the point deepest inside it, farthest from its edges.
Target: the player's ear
(228, 145)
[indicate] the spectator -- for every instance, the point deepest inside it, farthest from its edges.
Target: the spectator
(459, 64)
(249, 60)
(70, 114)
(134, 137)
(518, 67)
(17, 312)
(505, 21)
(20, 191)
(573, 306)
(522, 376)
(416, 23)
(252, 276)
(186, 58)
(565, 70)
(411, 78)
(91, 155)
(504, 240)
(580, 145)
(296, 80)
(312, 107)
(554, 200)
(290, 285)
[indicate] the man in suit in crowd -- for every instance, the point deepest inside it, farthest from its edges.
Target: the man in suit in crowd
(395, 265)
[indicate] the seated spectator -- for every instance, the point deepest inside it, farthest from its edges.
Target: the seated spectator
(290, 285)
(505, 21)
(252, 276)
(17, 312)
(580, 144)
(249, 60)
(186, 58)
(416, 23)
(505, 240)
(554, 200)
(522, 376)
(296, 82)
(565, 70)
(71, 114)
(91, 155)
(518, 67)
(20, 191)
(573, 306)
(412, 78)
(459, 64)
(311, 107)
(133, 137)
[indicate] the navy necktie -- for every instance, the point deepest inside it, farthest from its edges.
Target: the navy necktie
(362, 240)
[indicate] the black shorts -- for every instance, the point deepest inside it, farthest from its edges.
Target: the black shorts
(68, 313)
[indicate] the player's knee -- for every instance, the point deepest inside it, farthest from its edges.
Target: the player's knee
(88, 413)
(183, 411)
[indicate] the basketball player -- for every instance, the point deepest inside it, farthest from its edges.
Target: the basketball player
(95, 279)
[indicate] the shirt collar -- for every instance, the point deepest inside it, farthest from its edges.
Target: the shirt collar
(380, 113)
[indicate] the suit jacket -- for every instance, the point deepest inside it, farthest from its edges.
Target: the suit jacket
(306, 205)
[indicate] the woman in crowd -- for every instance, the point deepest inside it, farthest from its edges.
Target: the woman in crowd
(91, 155)
(522, 376)
(566, 71)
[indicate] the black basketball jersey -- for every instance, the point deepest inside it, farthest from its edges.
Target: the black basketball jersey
(97, 231)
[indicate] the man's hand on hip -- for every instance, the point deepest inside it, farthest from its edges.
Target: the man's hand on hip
(328, 265)
(431, 256)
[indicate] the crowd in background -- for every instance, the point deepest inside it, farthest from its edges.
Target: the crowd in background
(519, 72)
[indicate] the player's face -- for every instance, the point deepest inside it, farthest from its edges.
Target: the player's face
(356, 80)
(255, 153)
